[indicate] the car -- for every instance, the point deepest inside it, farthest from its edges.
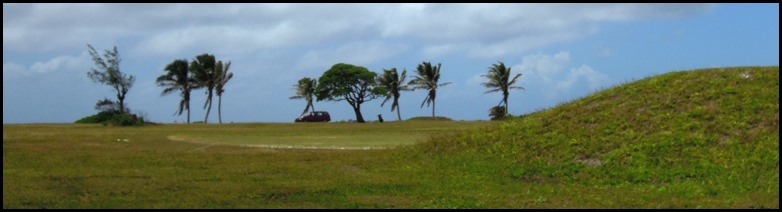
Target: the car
(315, 116)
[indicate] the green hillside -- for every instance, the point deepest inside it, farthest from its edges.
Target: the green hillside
(700, 138)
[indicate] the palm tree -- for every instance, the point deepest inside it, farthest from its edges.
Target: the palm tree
(222, 76)
(176, 78)
(499, 80)
(393, 84)
(305, 89)
(427, 78)
(203, 72)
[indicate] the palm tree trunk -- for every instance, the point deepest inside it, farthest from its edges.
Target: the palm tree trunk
(398, 116)
(505, 99)
(433, 108)
(219, 106)
(209, 101)
(188, 111)
(206, 118)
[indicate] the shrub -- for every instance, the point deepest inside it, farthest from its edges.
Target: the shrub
(498, 113)
(428, 118)
(113, 118)
(98, 118)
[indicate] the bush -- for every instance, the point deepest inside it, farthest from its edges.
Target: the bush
(498, 113)
(98, 118)
(429, 118)
(113, 118)
(126, 119)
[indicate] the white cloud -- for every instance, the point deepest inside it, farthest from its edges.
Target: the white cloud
(59, 63)
(593, 78)
(552, 73)
(358, 53)
(545, 67)
(167, 28)
(438, 50)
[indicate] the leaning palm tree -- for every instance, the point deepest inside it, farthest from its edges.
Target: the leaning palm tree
(427, 78)
(499, 80)
(176, 78)
(305, 89)
(203, 72)
(393, 84)
(222, 76)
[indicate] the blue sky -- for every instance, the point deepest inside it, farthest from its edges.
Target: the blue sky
(564, 51)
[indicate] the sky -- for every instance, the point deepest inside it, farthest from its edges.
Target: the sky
(563, 51)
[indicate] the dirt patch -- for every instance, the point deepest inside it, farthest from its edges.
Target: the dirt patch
(593, 162)
(311, 147)
(203, 141)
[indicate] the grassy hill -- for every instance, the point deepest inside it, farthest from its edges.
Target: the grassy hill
(700, 138)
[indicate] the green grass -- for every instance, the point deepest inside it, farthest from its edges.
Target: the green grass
(692, 139)
(320, 135)
(702, 138)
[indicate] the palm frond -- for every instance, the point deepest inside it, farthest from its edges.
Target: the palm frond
(493, 90)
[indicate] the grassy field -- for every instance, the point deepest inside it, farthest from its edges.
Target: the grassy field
(693, 139)
(199, 165)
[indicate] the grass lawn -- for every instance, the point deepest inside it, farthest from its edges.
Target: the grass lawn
(210, 165)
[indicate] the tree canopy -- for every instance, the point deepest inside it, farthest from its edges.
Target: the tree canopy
(108, 73)
(354, 84)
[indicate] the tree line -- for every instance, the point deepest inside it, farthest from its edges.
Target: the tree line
(356, 85)
(203, 72)
(351, 83)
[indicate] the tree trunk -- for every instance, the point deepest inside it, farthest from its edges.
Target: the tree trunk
(359, 117)
(209, 100)
(505, 99)
(398, 116)
(433, 108)
(121, 103)
(219, 110)
(188, 111)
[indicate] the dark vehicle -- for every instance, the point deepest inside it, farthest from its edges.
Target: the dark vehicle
(317, 116)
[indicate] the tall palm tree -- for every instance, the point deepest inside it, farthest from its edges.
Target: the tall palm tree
(305, 89)
(499, 80)
(393, 84)
(222, 76)
(203, 72)
(176, 78)
(427, 78)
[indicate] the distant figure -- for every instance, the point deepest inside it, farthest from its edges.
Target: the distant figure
(379, 118)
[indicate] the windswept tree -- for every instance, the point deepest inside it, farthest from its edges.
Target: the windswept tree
(393, 85)
(305, 89)
(108, 73)
(427, 79)
(499, 80)
(203, 70)
(222, 76)
(354, 84)
(177, 78)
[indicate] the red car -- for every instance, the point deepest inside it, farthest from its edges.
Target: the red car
(317, 116)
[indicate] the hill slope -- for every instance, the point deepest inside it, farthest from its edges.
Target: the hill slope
(681, 139)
